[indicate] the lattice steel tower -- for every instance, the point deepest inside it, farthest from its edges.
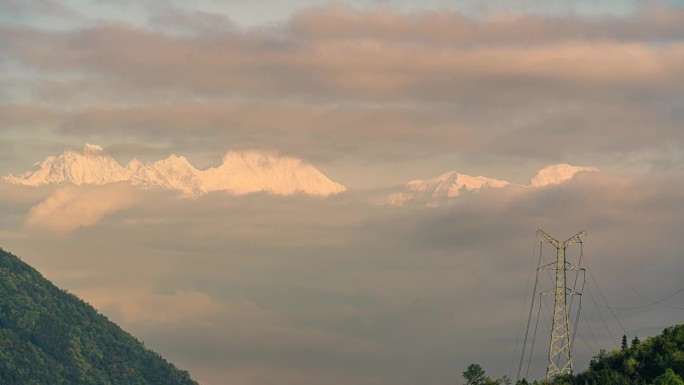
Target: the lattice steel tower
(560, 351)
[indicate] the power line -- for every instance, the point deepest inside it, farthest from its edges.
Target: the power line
(653, 301)
(593, 353)
(591, 330)
(591, 275)
(529, 318)
(601, 315)
(522, 311)
(579, 310)
(534, 337)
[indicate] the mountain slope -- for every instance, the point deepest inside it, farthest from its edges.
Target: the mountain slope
(240, 173)
(48, 336)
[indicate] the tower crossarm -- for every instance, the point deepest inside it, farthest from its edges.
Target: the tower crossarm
(549, 239)
(568, 266)
(568, 291)
(574, 239)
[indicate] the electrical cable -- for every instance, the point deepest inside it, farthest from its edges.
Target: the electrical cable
(534, 337)
(529, 318)
(600, 315)
(591, 275)
(574, 289)
(653, 301)
(574, 285)
(591, 330)
(593, 353)
(579, 310)
(646, 305)
(522, 309)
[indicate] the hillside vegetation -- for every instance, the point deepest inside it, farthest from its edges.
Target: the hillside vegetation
(657, 360)
(48, 336)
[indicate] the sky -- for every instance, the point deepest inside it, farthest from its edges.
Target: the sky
(253, 289)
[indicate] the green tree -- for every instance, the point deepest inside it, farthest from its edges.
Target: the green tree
(668, 378)
(624, 345)
(475, 375)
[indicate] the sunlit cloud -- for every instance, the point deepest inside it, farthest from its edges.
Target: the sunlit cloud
(72, 207)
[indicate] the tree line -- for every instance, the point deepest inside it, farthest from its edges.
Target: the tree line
(657, 360)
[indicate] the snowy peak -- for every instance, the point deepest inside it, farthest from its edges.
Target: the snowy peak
(447, 185)
(91, 166)
(557, 173)
(440, 190)
(243, 172)
(240, 173)
(175, 173)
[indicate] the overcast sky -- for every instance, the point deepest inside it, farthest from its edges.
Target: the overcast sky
(343, 290)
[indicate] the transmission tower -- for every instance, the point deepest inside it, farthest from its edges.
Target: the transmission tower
(560, 351)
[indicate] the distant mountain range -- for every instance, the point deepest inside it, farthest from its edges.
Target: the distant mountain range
(240, 173)
(247, 172)
(439, 190)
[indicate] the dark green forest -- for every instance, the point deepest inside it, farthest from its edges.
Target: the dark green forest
(49, 336)
(657, 360)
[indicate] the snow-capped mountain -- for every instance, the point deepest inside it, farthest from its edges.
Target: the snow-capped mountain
(89, 167)
(557, 173)
(244, 172)
(447, 185)
(439, 190)
(241, 173)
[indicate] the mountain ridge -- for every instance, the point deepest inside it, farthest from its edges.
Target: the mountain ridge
(438, 190)
(248, 172)
(240, 173)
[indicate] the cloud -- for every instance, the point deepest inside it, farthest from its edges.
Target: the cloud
(338, 53)
(335, 290)
(651, 22)
(72, 207)
(144, 306)
(45, 8)
(390, 87)
(168, 18)
(27, 115)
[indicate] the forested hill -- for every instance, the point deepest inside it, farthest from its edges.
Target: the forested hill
(48, 336)
(657, 360)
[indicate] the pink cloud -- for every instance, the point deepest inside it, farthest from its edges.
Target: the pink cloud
(339, 52)
(72, 207)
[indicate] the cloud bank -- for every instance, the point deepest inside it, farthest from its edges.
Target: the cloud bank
(440, 86)
(260, 289)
